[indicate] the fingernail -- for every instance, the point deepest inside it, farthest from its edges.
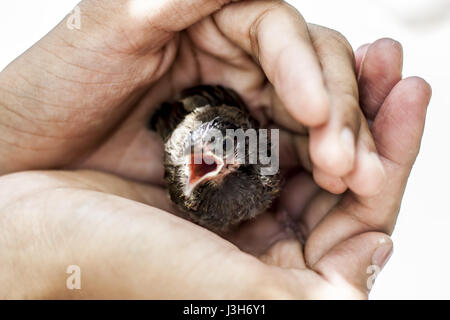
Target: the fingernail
(348, 142)
(382, 254)
(361, 65)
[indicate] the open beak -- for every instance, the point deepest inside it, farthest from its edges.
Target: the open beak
(207, 168)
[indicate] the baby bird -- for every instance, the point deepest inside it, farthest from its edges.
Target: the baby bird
(212, 168)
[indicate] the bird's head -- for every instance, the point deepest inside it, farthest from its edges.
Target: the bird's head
(214, 152)
(217, 174)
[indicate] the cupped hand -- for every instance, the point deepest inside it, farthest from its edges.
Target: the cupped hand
(81, 98)
(126, 248)
(91, 92)
(341, 234)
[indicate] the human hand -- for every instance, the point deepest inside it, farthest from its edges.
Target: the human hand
(81, 99)
(341, 233)
(91, 92)
(130, 250)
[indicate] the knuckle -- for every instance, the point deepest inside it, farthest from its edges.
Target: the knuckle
(350, 111)
(326, 35)
(276, 8)
(340, 39)
(280, 6)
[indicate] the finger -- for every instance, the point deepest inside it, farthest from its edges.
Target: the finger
(399, 124)
(318, 207)
(385, 58)
(279, 114)
(257, 235)
(276, 35)
(368, 176)
(333, 145)
(360, 54)
(331, 184)
(397, 129)
(287, 253)
(165, 16)
(380, 71)
(367, 165)
(356, 262)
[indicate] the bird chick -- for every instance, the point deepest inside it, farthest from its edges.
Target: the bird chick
(210, 166)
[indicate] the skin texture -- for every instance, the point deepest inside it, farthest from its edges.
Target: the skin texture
(91, 92)
(123, 76)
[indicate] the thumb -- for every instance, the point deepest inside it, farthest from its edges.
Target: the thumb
(150, 19)
(356, 262)
(143, 25)
(171, 15)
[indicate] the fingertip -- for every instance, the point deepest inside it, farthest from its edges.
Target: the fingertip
(414, 92)
(392, 42)
(361, 51)
(422, 86)
(365, 253)
(429, 89)
(347, 143)
(369, 176)
(399, 124)
(331, 184)
(388, 47)
(333, 153)
(379, 72)
(389, 42)
(395, 48)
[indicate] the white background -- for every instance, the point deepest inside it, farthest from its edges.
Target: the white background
(419, 268)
